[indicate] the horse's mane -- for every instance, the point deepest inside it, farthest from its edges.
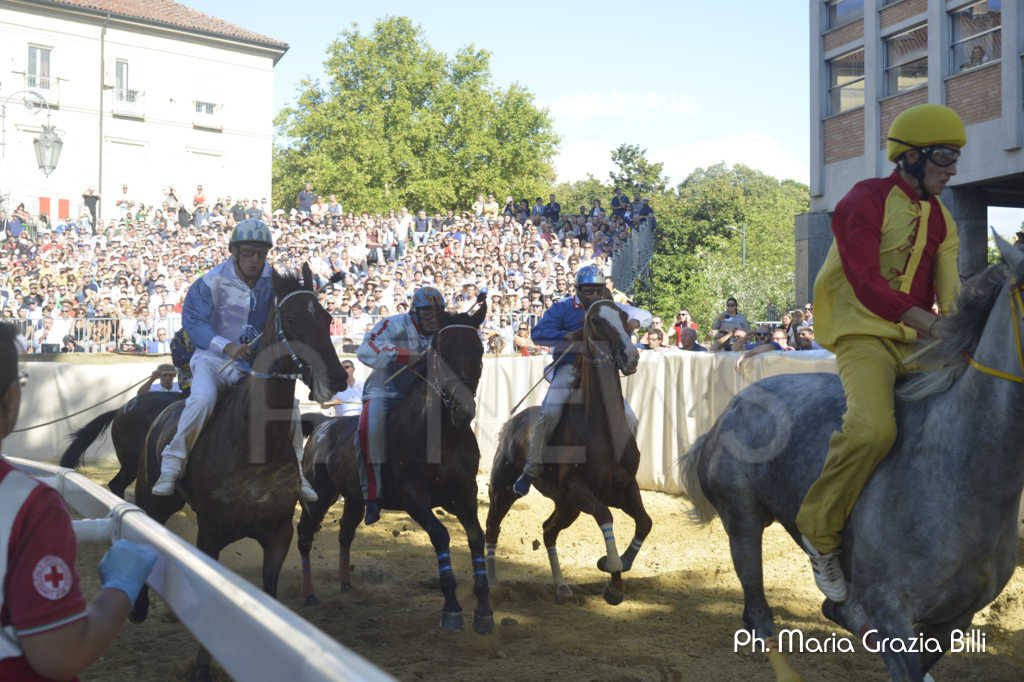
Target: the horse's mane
(956, 334)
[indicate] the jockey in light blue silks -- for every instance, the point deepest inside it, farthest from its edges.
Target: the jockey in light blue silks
(229, 302)
(393, 343)
(561, 326)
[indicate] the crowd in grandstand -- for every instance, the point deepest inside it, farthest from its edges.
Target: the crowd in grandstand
(80, 284)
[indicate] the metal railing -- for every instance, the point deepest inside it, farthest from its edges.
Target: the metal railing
(633, 259)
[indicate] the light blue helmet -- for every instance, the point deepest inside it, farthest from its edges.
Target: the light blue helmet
(427, 297)
(590, 274)
(251, 231)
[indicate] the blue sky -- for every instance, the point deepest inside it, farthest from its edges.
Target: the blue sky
(695, 83)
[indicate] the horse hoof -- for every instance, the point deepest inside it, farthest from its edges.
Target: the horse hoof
(612, 595)
(202, 674)
(483, 623)
(604, 565)
(563, 593)
(451, 622)
(311, 600)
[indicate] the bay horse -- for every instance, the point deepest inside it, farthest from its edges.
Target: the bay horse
(128, 426)
(241, 477)
(434, 464)
(933, 536)
(591, 457)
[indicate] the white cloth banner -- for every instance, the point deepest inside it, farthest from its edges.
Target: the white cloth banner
(676, 396)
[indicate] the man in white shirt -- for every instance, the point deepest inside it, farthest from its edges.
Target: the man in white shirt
(167, 376)
(347, 403)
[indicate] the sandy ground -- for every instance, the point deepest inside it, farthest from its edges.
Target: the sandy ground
(683, 605)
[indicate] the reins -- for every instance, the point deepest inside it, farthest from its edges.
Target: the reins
(280, 339)
(1017, 307)
(434, 358)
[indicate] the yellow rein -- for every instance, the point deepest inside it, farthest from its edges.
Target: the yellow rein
(1018, 309)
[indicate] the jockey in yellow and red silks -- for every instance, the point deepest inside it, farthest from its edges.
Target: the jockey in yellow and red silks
(894, 255)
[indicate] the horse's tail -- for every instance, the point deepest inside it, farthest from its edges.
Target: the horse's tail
(311, 420)
(703, 511)
(84, 437)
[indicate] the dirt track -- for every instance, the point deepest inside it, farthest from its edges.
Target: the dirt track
(683, 604)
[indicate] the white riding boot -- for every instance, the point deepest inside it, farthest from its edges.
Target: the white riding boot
(828, 572)
(170, 471)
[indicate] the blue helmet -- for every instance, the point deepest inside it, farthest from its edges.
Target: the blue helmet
(590, 274)
(251, 230)
(427, 297)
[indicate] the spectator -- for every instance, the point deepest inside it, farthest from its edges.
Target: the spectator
(496, 345)
(796, 320)
(805, 339)
(552, 210)
(809, 314)
(304, 200)
(70, 345)
(778, 343)
(163, 379)
(91, 200)
(522, 342)
(731, 318)
(160, 345)
(689, 340)
(682, 320)
(349, 402)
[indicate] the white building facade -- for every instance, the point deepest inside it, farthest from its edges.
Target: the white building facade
(151, 95)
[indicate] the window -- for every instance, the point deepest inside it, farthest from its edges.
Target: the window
(977, 35)
(846, 82)
(840, 12)
(205, 107)
(121, 89)
(906, 60)
(37, 75)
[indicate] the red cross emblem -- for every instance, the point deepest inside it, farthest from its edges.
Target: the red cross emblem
(52, 577)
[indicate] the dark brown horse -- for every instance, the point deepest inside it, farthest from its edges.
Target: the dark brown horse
(591, 458)
(128, 426)
(434, 464)
(241, 478)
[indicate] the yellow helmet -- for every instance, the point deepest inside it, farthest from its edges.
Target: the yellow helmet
(924, 126)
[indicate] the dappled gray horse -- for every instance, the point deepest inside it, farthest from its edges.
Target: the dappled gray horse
(933, 536)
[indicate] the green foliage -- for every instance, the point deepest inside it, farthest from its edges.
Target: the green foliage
(636, 174)
(572, 195)
(697, 262)
(397, 123)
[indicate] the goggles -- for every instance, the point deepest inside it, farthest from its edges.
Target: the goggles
(941, 156)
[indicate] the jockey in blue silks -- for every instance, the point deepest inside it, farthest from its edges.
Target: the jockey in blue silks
(561, 327)
(394, 343)
(221, 307)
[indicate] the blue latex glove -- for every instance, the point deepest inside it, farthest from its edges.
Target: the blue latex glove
(126, 566)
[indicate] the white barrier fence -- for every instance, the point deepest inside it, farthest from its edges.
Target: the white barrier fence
(250, 634)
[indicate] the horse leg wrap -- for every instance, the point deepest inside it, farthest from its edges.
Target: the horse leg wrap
(614, 564)
(479, 575)
(490, 549)
(630, 553)
(444, 568)
(556, 569)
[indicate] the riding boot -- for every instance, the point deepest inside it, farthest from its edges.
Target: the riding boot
(306, 491)
(371, 444)
(828, 572)
(170, 470)
(534, 456)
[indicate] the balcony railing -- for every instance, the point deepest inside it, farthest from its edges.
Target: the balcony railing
(128, 103)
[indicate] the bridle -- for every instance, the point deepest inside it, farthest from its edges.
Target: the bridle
(281, 339)
(1017, 310)
(432, 378)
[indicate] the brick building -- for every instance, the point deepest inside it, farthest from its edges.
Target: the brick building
(870, 60)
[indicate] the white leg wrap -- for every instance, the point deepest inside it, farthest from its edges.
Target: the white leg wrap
(614, 561)
(556, 569)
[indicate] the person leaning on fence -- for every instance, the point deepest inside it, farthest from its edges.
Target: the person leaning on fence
(221, 307)
(47, 630)
(163, 379)
(894, 253)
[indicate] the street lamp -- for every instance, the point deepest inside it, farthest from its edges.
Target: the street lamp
(742, 228)
(48, 145)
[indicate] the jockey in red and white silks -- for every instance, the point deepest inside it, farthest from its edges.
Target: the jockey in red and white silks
(393, 343)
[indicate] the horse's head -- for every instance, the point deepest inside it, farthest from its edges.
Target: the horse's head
(304, 330)
(607, 336)
(456, 361)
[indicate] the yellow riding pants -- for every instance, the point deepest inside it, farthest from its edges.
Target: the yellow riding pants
(868, 368)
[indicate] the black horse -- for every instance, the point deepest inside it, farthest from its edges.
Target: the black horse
(434, 464)
(241, 478)
(128, 426)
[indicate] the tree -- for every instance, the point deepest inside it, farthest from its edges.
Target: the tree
(397, 123)
(636, 174)
(572, 195)
(697, 262)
